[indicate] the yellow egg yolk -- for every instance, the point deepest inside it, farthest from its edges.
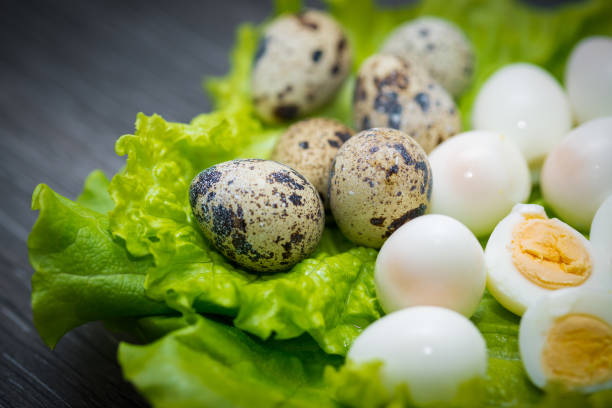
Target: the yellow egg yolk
(578, 351)
(548, 254)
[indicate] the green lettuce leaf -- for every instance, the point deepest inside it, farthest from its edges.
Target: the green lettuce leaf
(95, 194)
(81, 273)
(210, 364)
(331, 297)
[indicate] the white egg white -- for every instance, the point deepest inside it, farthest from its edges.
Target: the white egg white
(577, 174)
(588, 78)
(601, 236)
(513, 290)
(537, 322)
(524, 102)
(479, 176)
(431, 349)
(431, 260)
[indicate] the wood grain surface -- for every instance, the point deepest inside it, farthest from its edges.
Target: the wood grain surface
(73, 76)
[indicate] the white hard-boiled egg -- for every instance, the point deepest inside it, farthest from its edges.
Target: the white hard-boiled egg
(530, 255)
(479, 176)
(577, 174)
(430, 349)
(524, 102)
(601, 236)
(431, 260)
(588, 78)
(566, 339)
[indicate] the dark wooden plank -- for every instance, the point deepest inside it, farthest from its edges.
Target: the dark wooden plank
(73, 75)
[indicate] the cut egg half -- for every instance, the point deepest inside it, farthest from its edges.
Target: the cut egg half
(530, 255)
(566, 339)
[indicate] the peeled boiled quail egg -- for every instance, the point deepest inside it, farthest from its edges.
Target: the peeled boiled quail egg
(529, 255)
(525, 103)
(479, 176)
(601, 236)
(566, 339)
(410, 270)
(577, 174)
(588, 78)
(432, 350)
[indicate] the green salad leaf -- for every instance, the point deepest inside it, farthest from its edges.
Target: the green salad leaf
(210, 364)
(82, 274)
(95, 194)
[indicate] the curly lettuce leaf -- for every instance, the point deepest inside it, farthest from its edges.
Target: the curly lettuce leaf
(210, 364)
(330, 297)
(81, 273)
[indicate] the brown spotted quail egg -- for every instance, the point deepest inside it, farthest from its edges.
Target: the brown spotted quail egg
(380, 179)
(261, 214)
(301, 62)
(440, 46)
(309, 146)
(397, 93)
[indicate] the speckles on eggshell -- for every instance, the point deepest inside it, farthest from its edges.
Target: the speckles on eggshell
(316, 55)
(244, 217)
(286, 112)
(343, 135)
(423, 100)
(202, 183)
(333, 143)
(303, 145)
(408, 215)
(378, 221)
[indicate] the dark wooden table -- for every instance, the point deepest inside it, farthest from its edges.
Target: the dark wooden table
(73, 75)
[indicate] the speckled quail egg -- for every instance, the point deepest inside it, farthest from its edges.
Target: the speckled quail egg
(380, 179)
(565, 339)
(431, 350)
(259, 213)
(309, 146)
(301, 62)
(529, 255)
(577, 174)
(588, 78)
(397, 93)
(440, 46)
(524, 102)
